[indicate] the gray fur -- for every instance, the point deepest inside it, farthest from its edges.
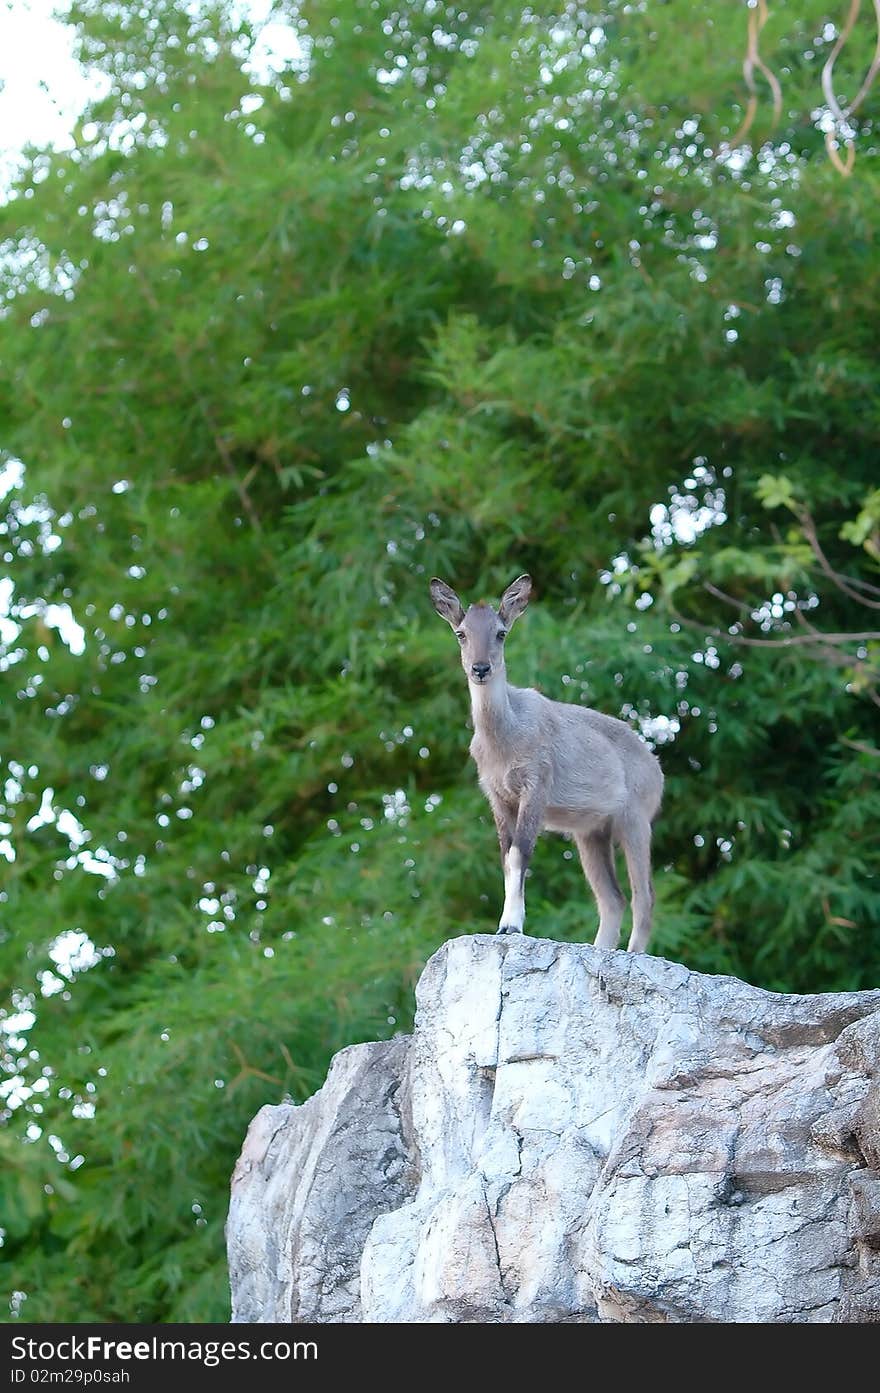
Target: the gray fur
(548, 765)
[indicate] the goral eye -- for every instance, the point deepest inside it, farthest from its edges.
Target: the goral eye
(460, 636)
(502, 634)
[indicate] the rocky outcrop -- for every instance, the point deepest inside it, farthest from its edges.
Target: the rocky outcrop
(574, 1135)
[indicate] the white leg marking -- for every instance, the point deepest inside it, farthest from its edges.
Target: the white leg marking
(514, 912)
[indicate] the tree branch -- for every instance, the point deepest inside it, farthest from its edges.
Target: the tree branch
(848, 585)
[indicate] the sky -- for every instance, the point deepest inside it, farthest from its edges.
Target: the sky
(43, 89)
(43, 86)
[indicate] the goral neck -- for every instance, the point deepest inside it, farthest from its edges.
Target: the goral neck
(490, 706)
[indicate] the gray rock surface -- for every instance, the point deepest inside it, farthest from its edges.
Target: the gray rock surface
(308, 1186)
(574, 1135)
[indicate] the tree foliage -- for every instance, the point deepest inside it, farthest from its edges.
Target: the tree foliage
(449, 292)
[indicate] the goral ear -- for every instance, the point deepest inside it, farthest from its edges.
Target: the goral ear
(446, 602)
(515, 599)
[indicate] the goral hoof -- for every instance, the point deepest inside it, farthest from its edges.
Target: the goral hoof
(508, 929)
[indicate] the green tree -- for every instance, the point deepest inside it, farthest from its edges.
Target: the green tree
(457, 293)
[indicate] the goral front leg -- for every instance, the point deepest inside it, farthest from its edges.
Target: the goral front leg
(516, 862)
(512, 915)
(514, 912)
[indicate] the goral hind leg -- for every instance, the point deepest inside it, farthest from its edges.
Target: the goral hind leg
(597, 858)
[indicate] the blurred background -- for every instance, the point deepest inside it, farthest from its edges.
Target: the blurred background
(313, 302)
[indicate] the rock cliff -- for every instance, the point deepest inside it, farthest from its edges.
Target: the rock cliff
(574, 1135)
